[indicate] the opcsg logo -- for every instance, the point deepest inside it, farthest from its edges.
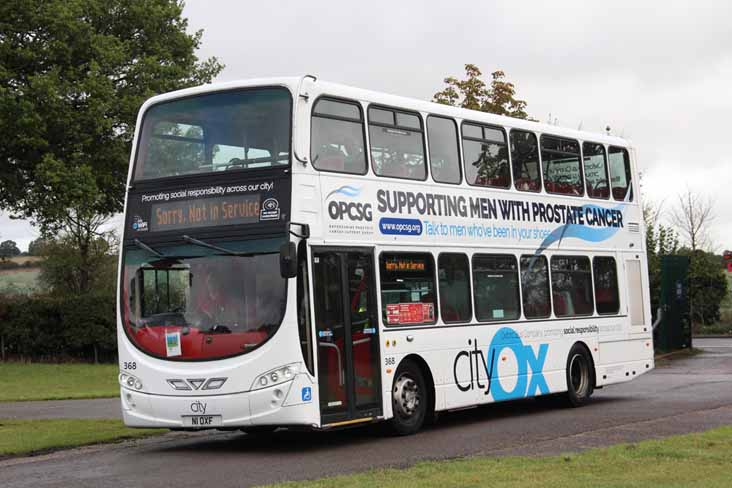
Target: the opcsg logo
(346, 209)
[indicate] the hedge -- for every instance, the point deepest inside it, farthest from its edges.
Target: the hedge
(49, 328)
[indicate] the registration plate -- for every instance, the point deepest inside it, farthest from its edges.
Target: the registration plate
(201, 420)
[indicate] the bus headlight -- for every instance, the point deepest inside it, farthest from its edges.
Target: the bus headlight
(129, 381)
(276, 376)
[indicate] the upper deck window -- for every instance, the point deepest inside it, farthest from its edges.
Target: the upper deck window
(561, 162)
(486, 156)
(525, 157)
(595, 170)
(397, 144)
(620, 174)
(337, 137)
(444, 153)
(231, 130)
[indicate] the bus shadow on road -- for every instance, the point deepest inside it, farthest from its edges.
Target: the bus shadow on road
(284, 441)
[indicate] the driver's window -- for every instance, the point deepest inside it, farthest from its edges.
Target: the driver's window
(595, 163)
(164, 290)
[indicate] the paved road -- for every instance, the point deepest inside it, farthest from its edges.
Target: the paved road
(680, 396)
(103, 408)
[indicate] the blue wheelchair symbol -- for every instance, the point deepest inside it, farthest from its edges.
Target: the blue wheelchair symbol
(307, 394)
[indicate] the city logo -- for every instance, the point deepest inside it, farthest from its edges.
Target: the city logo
(198, 407)
(527, 359)
(347, 209)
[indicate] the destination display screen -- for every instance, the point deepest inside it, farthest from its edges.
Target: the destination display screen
(171, 210)
(405, 265)
(188, 214)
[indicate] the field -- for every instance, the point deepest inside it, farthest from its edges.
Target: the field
(19, 281)
(28, 381)
(19, 437)
(25, 259)
(692, 460)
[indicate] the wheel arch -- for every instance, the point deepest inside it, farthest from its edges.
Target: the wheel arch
(593, 369)
(428, 378)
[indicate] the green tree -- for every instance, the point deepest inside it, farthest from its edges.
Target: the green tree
(37, 247)
(65, 272)
(8, 249)
(707, 286)
(473, 93)
(73, 74)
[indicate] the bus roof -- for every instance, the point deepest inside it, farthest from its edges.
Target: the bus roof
(294, 84)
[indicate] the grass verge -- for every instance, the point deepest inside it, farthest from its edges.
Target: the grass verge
(18, 437)
(29, 381)
(703, 459)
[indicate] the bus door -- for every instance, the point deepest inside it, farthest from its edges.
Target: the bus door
(347, 333)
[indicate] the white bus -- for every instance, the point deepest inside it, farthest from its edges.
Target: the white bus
(302, 253)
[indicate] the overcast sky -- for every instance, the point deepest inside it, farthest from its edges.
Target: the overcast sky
(659, 75)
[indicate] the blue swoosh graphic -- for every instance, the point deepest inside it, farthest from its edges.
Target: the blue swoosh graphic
(578, 231)
(347, 190)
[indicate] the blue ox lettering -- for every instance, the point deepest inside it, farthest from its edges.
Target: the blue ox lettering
(526, 359)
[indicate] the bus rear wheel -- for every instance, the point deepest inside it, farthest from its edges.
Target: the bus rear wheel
(410, 398)
(580, 376)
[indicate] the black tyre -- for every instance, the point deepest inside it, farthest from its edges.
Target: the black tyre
(580, 376)
(410, 399)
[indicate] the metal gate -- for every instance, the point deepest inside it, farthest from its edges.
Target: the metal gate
(674, 330)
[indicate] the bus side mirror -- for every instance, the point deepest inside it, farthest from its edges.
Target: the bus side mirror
(288, 260)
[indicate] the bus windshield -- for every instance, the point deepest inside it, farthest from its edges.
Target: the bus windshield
(230, 130)
(190, 302)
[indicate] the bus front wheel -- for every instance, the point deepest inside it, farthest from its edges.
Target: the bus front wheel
(409, 398)
(580, 376)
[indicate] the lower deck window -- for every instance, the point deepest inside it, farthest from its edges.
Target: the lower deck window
(495, 279)
(408, 289)
(454, 277)
(535, 286)
(606, 285)
(572, 286)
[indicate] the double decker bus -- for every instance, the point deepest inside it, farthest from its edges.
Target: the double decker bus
(298, 253)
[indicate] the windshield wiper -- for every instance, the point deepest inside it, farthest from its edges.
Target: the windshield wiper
(200, 243)
(218, 329)
(147, 248)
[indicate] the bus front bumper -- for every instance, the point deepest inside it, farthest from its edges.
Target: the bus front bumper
(291, 403)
